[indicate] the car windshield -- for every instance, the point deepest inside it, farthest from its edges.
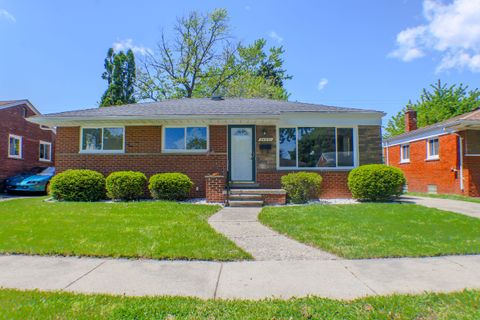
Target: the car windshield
(47, 171)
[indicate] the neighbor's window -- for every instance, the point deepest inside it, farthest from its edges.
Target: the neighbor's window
(185, 139)
(432, 148)
(316, 147)
(405, 153)
(45, 152)
(102, 139)
(14, 146)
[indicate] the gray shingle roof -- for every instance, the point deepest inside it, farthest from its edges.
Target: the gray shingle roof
(205, 106)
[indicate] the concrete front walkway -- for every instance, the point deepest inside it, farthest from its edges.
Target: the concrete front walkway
(338, 279)
(463, 207)
(241, 225)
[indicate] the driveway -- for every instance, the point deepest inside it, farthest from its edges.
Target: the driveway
(471, 209)
(6, 196)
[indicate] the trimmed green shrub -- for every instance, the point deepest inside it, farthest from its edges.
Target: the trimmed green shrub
(376, 182)
(170, 186)
(302, 186)
(126, 185)
(78, 185)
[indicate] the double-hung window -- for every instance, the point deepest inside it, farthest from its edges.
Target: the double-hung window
(185, 139)
(45, 151)
(103, 139)
(404, 153)
(316, 147)
(14, 146)
(432, 149)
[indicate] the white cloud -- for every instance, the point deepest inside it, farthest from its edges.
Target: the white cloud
(7, 15)
(451, 30)
(275, 36)
(322, 83)
(128, 44)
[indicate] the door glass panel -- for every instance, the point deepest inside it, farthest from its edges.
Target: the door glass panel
(241, 154)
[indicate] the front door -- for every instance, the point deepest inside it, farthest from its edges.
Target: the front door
(242, 153)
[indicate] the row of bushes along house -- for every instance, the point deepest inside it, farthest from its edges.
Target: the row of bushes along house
(368, 182)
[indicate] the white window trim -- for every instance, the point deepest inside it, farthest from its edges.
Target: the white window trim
(102, 151)
(336, 168)
(429, 156)
(164, 150)
(14, 156)
(49, 153)
(402, 160)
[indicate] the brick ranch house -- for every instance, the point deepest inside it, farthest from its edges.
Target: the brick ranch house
(240, 142)
(440, 158)
(23, 145)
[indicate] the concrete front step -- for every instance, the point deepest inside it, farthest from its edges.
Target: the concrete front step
(257, 191)
(243, 197)
(245, 203)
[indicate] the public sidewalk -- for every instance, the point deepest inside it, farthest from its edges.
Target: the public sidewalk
(338, 279)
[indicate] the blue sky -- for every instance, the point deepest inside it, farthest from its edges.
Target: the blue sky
(372, 54)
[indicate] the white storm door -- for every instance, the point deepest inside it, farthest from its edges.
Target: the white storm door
(241, 155)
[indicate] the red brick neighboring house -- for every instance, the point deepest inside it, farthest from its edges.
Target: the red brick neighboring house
(240, 142)
(23, 145)
(440, 158)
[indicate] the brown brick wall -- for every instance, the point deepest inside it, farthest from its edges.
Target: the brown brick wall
(334, 184)
(370, 144)
(143, 153)
(143, 139)
(13, 122)
(218, 139)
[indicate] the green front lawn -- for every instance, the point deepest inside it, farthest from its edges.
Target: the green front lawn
(159, 230)
(445, 196)
(55, 305)
(374, 230)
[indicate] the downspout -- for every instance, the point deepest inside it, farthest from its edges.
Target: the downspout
(461, 161)
(460, 138)
(387, 151)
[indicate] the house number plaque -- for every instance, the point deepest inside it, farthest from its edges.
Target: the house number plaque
(265, 139)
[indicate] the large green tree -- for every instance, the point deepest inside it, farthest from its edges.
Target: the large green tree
(201, 59)
(120, 75)
(436, 104)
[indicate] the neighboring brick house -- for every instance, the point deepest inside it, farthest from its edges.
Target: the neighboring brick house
(243, 142)
(440, 158)
(23, 145)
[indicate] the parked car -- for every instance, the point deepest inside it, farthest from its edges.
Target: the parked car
(35, 180)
